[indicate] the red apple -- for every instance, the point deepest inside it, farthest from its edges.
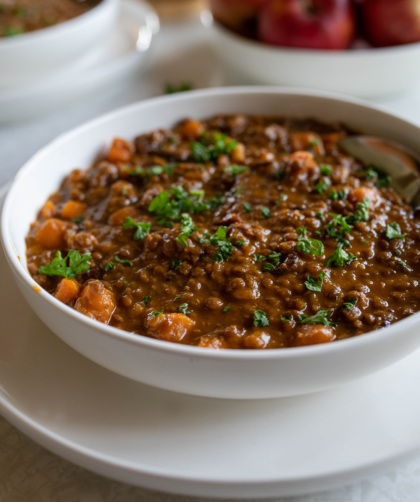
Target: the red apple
(313, 24)
(392, 22)
(235, 13)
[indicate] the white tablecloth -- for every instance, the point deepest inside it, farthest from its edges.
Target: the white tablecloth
(29, 473)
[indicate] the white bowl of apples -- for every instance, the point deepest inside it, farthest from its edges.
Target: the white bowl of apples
(365, 48)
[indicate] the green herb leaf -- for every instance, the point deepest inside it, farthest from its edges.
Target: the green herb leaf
(340, 258)
(362, 213)
(77, 264)
(350, 303)
(155, 313)
(247, 207)
(319, 318)
(326, 169)
(286, 319)
(310, 246)
(393, 231)
(146, 300)
(274, 257)
(187, 228)
(320, 215)
(334, 195)
(314, 284)
(268, 267)
(142, 229)
(322, 185)
(236, 169)
(260, 318)
(182, 309)
(109, 266)
(176, 263)
(265, 212)
(226, 309)
(127, 263)
(259, 257)
(78, 219)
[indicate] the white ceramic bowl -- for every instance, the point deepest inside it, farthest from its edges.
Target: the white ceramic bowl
(365, 73)
(33, 55)
(188, 369)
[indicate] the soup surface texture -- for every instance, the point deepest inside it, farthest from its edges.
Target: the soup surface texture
(21, 16)
(233, 232)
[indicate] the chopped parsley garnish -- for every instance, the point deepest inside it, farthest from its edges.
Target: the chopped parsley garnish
(326, 170)
(402, 263)
(178, 298)
(310, 246)
(322, 185)
(211, 145)
(313, 142)
(134, 171)
(170, 205)
(127, 263)
(351, 302)
(247, 207)
(260, 318)
(319, 318)
(259, 257)
(383, 179)
(384, 182)
(314, 284)
(182, 309)
(334, 195)
(176, 263)
(236, 170)
(78, 219)
(146, 300)
(109, 266)
(226, 309)
(188, 227)
(340, 258)
(239, 243)
(142, 229)
(281, 198)
(362, 213)
(363, 240)
(286, 319)
(320, 215)
(219, 239)
(172, 89)
(338, 221)
(398, 252)
(393, 231)
(265, 212)
(268, 267)
(274, 257)
(302, 231)
(157, 312)
(77, 264)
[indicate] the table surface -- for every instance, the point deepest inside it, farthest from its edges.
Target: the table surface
(28, 472)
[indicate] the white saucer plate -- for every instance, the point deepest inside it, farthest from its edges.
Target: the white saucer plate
(197, 446)
(123, 53)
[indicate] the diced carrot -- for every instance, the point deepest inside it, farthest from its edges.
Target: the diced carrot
(302, 167)
(190, 129)
(96, 302)
(120, 151)
(51, 234)
(67, 290)
(313, 334)
(307, 141)
(73, 209)
(169, 327)
(358, 195)
(48, 210)
(118, 218)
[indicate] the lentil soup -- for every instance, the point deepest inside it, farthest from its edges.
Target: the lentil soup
(233, 232)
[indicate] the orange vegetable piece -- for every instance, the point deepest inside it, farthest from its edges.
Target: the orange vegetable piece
(73, 209)
(357, 196)
(313, 334)
(51, 234)
(118, 218)
(67, 290)
(307, 141)
(96, 302)
(48, 210)
(169, 327)
(191, 129)
(120, 151)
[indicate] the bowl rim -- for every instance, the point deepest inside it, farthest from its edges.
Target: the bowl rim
(299, 51)
(355, 343)
(61, 29)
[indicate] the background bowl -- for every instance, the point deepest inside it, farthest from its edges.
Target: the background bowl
(32, 56)
(188, 369)
(369, 72)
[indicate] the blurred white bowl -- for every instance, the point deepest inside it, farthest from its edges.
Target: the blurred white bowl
(366, 72)
(31, 56)
(182, 368)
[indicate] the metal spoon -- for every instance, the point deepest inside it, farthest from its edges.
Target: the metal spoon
(401, 163)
